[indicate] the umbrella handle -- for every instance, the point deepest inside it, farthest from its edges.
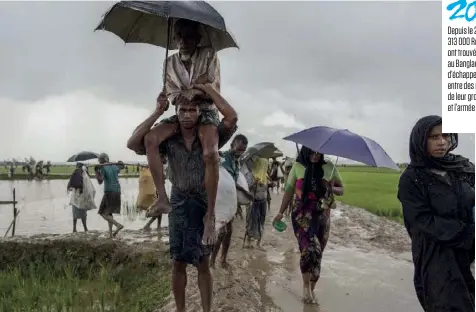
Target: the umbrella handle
(169, 27)
(334, 167)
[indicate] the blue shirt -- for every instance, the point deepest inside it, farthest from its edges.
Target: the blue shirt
(110, 174)
(231, 164)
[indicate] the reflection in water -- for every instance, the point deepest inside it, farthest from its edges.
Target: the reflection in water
(44, 207)
(283, 282)
(351, 280)
(310, 308)
(261, 269)
(276, 274)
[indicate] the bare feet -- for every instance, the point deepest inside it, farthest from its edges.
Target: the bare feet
(248, 243)
(157, 208)
(146, 229)
(313, 297)
(260, 248)
(306, 295)
(117, 230)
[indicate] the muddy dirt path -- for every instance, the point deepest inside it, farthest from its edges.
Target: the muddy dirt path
(366, 266)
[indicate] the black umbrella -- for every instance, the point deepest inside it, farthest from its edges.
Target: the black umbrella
(151, 22)
(83, 156)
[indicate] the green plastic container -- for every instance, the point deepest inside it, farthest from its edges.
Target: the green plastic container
(280, 226)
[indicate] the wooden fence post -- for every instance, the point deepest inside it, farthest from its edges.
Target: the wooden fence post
(14, 212)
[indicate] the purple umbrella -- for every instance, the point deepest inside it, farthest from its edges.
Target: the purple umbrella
(343, 143)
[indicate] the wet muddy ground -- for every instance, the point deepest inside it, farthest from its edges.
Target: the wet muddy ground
(366, 265)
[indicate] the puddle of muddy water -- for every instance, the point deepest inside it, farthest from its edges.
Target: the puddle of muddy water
(276, 258)
(44, 207)
(351, 281)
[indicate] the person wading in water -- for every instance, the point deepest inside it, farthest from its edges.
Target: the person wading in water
(111, 201)
(82, 195)
(149, 199)
(191, 220)
(193, 64)
(76, 184)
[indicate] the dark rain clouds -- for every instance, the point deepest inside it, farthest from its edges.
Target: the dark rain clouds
(372, 67)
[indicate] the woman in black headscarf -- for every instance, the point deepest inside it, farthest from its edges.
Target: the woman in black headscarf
(313, 181)
(437, 196)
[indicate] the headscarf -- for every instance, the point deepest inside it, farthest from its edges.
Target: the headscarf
(76, 179)
(313, 174)
(418, 149)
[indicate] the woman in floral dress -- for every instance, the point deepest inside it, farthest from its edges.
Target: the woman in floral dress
(312, 182)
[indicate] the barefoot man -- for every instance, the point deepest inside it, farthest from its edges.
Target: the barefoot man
(191, 220)
(193, 64)
(232, 165)
(111, 200)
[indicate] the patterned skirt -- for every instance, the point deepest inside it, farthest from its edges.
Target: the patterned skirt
(311, 225)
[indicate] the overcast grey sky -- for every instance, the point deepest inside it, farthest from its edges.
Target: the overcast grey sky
(371, 67)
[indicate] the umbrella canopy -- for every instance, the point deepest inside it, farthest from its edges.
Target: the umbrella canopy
(277, 153)
(343, 143)
(262, 150)
(83, 156)
(149, 21)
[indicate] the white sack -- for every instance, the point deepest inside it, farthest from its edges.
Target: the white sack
(242, 199)
(226, 203)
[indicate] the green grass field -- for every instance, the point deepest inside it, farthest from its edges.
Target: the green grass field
(374, 189)
(47, 288)
(82, 275)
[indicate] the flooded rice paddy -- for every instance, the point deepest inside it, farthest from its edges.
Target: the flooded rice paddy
(44, 207)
